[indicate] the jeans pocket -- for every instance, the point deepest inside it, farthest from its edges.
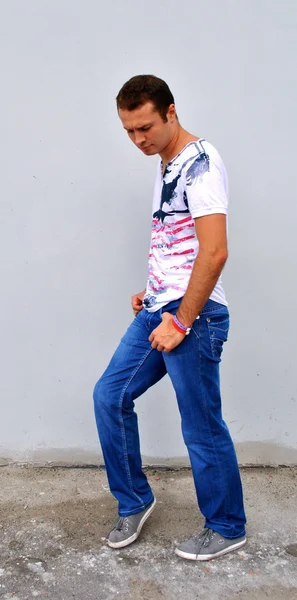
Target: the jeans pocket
(218, 327)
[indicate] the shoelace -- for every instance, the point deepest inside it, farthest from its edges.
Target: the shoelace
(208, 537)
(204, 537)
(122, 524)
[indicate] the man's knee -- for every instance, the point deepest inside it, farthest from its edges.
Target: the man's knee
(101, 395)
(105, 397)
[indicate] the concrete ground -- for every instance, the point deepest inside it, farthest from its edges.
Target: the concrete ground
(53, 522)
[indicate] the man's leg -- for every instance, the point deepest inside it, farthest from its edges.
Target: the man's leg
(134, 367)
(194, 371)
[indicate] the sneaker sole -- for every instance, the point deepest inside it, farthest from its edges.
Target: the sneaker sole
(135, 535)
(202, 557)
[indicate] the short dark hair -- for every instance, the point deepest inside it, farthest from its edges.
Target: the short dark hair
(145, 88)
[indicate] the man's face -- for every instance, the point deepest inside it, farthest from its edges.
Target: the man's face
(147, 129)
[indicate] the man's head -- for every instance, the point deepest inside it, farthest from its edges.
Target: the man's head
(146, 108)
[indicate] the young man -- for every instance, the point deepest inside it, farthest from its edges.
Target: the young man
(181, 322)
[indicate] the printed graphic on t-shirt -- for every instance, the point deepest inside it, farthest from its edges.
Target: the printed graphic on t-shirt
(194, 184)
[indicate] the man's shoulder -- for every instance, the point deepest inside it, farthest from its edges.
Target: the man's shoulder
(192, 151)
(201, 151)
(198, 147)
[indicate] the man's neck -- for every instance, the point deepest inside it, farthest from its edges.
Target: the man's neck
(180, 139)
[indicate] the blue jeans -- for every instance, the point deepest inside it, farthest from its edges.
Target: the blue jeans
(193, 368)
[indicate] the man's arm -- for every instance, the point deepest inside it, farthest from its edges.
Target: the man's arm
(213, 253)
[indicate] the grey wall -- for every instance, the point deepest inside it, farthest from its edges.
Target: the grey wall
(76, 204)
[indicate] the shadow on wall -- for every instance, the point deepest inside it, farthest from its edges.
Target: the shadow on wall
(248, 453)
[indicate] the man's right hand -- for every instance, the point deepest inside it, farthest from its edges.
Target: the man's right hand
(136, 302)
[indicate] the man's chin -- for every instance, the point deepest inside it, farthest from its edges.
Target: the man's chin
(150, 150)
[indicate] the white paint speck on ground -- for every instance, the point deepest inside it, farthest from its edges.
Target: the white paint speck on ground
(48, 578)
(36, 568)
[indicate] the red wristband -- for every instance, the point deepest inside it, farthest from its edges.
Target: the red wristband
(180, 327)
(177, 327)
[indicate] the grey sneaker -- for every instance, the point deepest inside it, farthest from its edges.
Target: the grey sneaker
(207, 545)
(127, 529)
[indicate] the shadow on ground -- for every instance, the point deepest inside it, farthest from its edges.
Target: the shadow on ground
(53, 523)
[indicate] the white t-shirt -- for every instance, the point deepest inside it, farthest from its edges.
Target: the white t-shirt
(194, 184)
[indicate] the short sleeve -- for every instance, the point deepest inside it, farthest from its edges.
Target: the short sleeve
(206, 186)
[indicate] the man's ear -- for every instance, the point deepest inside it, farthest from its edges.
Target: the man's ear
(171, 113)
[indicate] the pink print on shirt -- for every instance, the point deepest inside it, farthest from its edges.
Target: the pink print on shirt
(181, 194)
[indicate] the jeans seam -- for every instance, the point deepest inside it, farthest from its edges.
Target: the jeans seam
(226, 503)
(213, 309)
(121, 420)
(148, 320)
(128, 513)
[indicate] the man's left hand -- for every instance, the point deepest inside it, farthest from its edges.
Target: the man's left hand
(165, 337)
